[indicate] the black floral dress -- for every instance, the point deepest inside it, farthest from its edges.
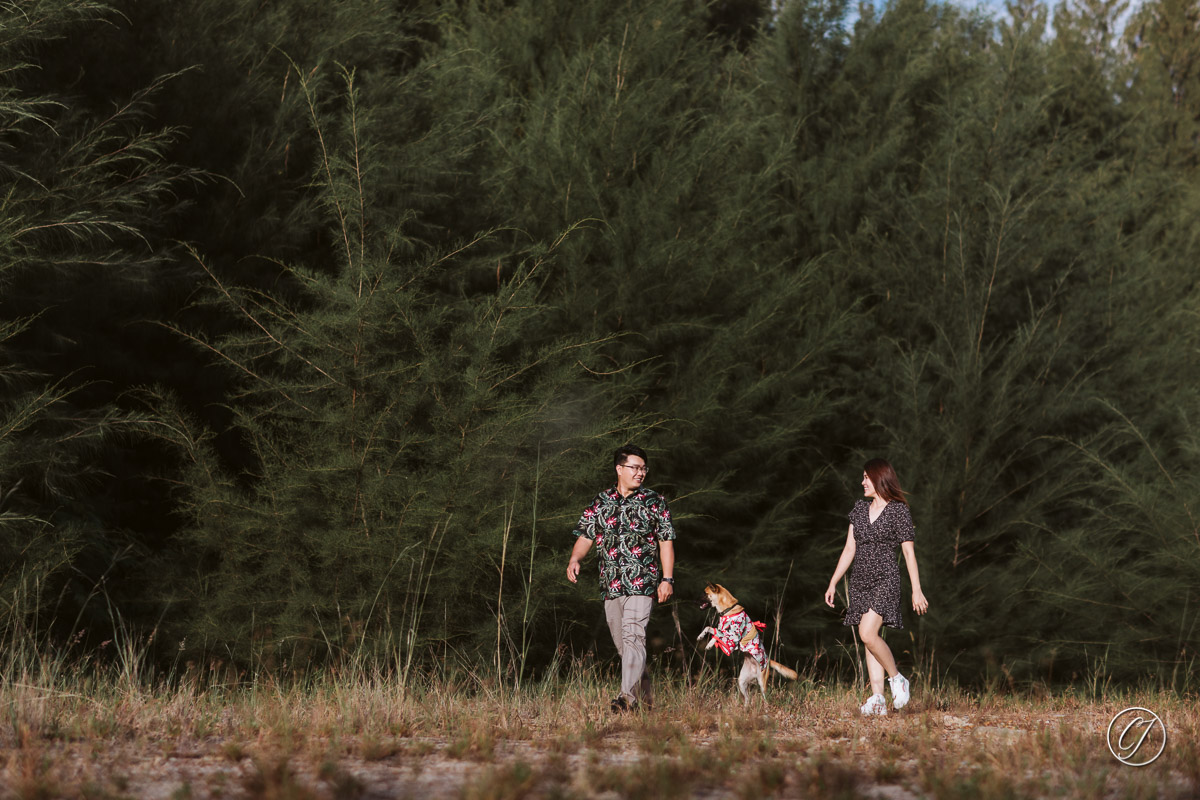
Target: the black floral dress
(875, 579)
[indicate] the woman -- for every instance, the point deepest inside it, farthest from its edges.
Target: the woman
(877, 525)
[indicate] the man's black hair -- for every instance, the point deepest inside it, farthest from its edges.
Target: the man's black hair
(626, 451)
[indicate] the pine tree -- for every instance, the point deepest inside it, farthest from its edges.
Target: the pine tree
(394, 411)
(637, 124)
(83, 191)
(1166, 76)
(969, 199)
(453, 259)
(1121, 576)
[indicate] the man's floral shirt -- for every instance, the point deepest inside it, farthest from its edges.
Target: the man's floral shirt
(626, 531)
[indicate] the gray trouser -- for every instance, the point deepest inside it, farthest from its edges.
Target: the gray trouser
(627, 618)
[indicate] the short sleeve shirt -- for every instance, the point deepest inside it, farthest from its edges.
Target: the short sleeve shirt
(627, 531)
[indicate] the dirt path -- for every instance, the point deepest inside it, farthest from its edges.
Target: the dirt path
(913, 755)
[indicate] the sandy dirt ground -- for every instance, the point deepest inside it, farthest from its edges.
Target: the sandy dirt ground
(911, 755)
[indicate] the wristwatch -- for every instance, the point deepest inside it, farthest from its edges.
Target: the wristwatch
(669, 580)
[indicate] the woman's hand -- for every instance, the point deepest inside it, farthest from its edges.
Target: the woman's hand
(829, 595)
(920, 604)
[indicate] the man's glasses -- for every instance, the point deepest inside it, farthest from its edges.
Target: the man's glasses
(643, 470)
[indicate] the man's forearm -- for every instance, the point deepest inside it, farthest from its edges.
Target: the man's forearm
(582, 545)
(666, 552)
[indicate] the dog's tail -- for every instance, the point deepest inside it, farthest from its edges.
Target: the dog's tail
(790, 674)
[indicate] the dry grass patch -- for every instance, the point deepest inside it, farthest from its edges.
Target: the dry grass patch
(360, 735)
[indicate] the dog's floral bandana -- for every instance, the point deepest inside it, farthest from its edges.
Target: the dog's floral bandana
(626, 531)
(737, 631)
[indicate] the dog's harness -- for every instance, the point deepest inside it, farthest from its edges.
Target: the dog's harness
(739, 631)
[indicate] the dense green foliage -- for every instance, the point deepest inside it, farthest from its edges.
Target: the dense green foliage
(319, 321)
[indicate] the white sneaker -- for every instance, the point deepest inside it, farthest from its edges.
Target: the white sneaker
(875, 706)
(900, 691)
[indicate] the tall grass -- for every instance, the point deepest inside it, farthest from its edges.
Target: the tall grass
(76, 720)
(75, 712)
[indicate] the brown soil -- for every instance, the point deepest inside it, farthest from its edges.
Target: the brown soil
(830, 753)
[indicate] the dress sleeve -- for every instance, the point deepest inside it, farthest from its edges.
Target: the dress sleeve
(905, 532)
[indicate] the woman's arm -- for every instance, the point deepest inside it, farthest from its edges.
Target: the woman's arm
(920, 604)
(842, 565)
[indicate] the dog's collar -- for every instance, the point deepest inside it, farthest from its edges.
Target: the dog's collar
(721, 613)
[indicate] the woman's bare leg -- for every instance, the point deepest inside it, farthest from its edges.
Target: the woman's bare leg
(875, 673)
(879, 655)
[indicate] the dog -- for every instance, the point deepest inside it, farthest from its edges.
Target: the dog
(737, 630)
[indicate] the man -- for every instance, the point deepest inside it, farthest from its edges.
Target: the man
(631, 528)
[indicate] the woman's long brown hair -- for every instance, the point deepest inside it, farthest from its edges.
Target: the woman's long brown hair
(884, 479)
